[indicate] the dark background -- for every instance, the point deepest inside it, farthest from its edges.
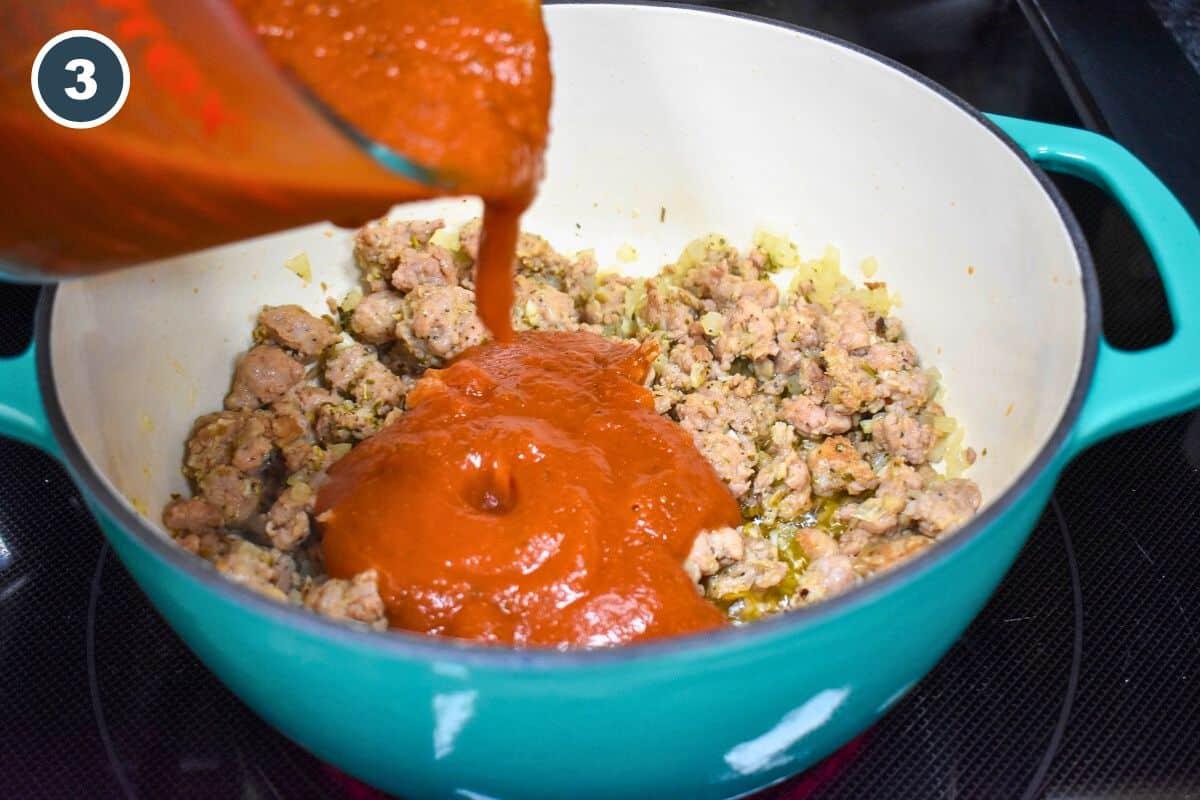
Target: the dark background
(1079, 679)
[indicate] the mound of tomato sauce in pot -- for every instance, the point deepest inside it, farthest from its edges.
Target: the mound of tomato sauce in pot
(530, 495)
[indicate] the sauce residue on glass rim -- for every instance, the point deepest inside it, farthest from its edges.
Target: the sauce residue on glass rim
(459, 86)
(530, 495)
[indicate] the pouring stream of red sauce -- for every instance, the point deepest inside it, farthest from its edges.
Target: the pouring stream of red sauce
(459, 86)
(529, 494)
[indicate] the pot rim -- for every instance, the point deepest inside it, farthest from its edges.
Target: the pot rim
(410, 645)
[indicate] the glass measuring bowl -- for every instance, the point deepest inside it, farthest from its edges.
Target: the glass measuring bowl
(214, 144)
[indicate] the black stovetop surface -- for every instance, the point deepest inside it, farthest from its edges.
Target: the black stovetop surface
(1081, 678)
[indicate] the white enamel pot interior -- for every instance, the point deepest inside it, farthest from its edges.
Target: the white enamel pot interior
(720, 123)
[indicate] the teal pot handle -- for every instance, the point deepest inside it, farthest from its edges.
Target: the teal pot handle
(22, 415)
(1131, 388)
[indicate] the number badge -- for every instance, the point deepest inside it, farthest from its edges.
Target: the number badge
(80, 79)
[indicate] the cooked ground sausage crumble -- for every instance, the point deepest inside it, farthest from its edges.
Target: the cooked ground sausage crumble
(810, 404)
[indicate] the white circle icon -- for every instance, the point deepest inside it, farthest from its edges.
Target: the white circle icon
(80, 79)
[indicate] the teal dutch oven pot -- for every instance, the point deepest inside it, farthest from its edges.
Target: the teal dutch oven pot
(669, 122)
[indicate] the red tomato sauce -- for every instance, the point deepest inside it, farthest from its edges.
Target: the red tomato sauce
(530, 495)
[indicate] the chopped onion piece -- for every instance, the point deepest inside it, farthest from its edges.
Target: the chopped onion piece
(300, 265)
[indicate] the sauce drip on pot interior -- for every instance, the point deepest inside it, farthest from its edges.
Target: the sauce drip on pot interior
(530, 495)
